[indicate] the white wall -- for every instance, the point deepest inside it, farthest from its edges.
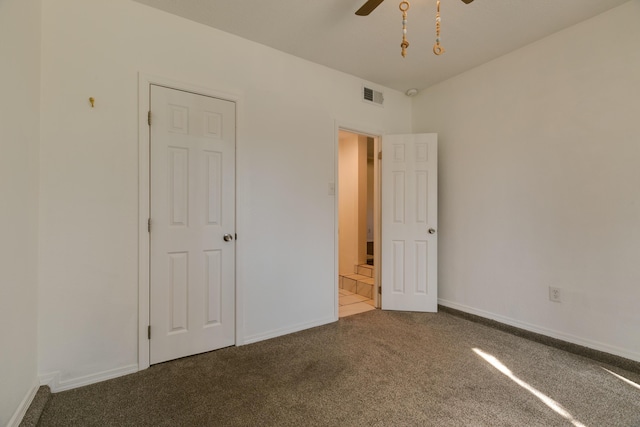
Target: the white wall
(89, 170)
(19, 133)
(539, 184)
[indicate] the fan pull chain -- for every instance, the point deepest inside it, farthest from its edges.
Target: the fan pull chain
(404, 6)
(437, 49)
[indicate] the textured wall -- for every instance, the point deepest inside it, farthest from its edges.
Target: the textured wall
(19, 134)
(89, 195)
(539, 183)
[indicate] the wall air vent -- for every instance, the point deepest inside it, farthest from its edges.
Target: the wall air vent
(372, 96)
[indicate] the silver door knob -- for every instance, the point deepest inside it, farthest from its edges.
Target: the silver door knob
(227, 237)
(432, 231)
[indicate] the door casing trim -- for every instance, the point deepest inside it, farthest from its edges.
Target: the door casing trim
(144, 83)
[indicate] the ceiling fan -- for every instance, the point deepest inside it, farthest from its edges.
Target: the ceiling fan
(370, 6)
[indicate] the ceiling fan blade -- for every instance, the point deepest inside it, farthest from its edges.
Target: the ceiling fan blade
(368, 7)
(467, 1)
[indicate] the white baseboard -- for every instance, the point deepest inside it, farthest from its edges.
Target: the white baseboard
(285, 331)
(20, 412)
(56, 384)
(544, 331)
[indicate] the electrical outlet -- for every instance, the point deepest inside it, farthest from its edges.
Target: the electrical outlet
(554, 294)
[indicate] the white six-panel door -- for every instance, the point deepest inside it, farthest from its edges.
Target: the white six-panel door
(192, 266)
(409, 222)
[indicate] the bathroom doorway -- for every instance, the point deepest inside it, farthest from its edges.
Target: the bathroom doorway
(358, 223)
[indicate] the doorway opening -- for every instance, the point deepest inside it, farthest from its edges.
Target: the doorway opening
(358, 223)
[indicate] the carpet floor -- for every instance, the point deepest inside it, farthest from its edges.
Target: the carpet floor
(373, 369)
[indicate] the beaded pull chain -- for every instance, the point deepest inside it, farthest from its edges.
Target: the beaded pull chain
(437, 49)
(404, 6)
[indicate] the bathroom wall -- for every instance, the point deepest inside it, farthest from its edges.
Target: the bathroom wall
(352, 196)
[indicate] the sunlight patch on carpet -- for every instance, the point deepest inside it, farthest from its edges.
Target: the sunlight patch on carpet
(631, 383)
(543, 397)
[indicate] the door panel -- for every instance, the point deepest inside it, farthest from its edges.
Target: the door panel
(409, 211)
(192, 271)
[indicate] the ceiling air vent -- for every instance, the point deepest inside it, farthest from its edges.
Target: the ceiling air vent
(372, 96)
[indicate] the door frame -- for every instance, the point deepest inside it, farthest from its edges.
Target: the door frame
(376, 134)
(144, 174)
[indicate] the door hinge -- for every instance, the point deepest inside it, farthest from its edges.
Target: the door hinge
(149, 225)
(149, 332)
(379, 155)
(380, 290)
(236, 236)
(149, 117)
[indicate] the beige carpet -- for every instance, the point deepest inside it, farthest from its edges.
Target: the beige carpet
(372, 369)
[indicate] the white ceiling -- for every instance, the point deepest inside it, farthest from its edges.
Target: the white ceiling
(328, 32)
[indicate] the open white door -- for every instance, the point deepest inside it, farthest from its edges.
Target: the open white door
(192, 260)
(410, 222)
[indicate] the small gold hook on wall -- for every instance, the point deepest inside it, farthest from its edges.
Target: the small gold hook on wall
(92, 101)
